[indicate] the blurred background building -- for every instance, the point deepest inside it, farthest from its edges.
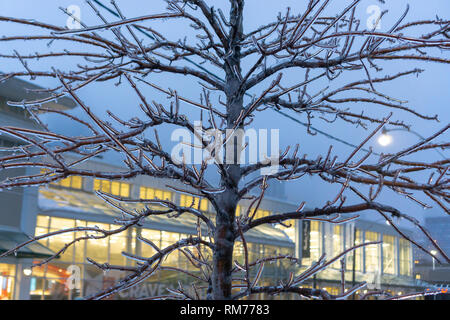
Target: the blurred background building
(18, 206)
(427, 269)
(72, 202)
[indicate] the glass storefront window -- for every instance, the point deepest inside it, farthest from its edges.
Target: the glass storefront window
(118, 244)
(79, 246)
(72, 182)
(43, 221)
(261, 214)
(154, 236)
(338, 244)
(238, 211)
(389, 256)
(195, 202)
(37, 288)
(405, 257)
(315, 240)
(97, 249)
(57, 242)
(286, 251)
(255, 252)
(372, 252)
(238, 252)
(99, 225)
(147, 193)
(290, 230)
(167, 239)
(333, 290)
(357, 254)
(7, 281)
(116, 188)
(271, 251)
(55, 281)
(41, 231)
(50, 281)
(56, 289)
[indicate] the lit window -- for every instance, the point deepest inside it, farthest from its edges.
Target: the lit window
(124, 189)
(168, 239)
(116, 188)
(338, 244)
(195, 202)
(7, 279)
(73, 182)
(261, 214)
(315, 240)
(118, 244)
(418, 276)
(288, 227)
(98, 249)
(332, 290)
(151, 193)
(405, 257)
(389, 256)
(372, 252)
(77, 182)
(42, 221)
(357, 253)
(57, 242)
(238, 210)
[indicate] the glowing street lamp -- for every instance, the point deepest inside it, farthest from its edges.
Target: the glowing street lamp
(385, 139)
(433, 253)
(27, 272)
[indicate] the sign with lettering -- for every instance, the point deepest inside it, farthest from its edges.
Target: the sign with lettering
(306, 237)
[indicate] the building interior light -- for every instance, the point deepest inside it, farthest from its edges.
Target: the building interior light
(27, 272)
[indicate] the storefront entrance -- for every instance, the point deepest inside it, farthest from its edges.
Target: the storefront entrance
(7, 281)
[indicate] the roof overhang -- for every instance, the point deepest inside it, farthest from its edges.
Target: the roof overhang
(10, 239)
(18, 90)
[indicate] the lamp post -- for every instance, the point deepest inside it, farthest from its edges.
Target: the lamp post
(386, 139)
(433, 253)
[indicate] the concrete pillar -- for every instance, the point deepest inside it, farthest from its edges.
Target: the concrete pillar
(22, 286)
(88, 184)
(29, 206)
(298, 238)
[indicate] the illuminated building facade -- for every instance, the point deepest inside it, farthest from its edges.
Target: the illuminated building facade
(72, 202)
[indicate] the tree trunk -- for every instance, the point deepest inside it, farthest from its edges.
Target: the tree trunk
(223, 256)
(227, 201)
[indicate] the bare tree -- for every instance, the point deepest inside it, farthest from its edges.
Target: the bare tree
(319, 46)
